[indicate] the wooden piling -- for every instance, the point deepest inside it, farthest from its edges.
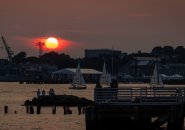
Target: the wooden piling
(83, 110)
(38, 109)
(176, 120)
(5, 109)
(64, 107)
(179, 121)
(54, 110)
(79, 110)
(31, 110)
(27, 109)
(144, 122)
(172, 115)
(90, 118)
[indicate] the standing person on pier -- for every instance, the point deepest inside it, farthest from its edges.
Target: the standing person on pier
(38, 93)
(43, 92)
(114, 86)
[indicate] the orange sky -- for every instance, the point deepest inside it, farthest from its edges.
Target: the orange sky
(128, 25)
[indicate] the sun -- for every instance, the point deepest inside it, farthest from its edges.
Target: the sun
(51, 43)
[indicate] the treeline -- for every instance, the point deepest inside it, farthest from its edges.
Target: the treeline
(167, 54)
(60, 60)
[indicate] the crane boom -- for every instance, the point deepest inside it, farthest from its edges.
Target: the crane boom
(8, 50)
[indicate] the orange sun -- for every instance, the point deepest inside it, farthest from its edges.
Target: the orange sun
(51, 43)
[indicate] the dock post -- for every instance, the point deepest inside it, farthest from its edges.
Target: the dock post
(64, 107)
(90, 118)
(5, 109)
(31, 110)
(54, 110)
(27, 108)
(180, 118)
(176, 120)
(38, 109)
(171, 120)
(79, 110)
(144, 122)
(83, 110)
(141, 121)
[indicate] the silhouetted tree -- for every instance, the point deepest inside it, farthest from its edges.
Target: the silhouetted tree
(168, 51)
(179, 54)
(156, 51)
(20, 57)
(32, 59)
(65, 61)
(179, 51)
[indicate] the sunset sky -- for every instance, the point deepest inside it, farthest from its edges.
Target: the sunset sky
(128, 25)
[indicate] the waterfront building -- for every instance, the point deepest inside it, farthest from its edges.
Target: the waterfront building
(95, 53)
(66, 75)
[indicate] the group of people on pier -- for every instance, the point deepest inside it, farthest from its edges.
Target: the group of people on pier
(114, 84)
(43, 93)
(107, 93)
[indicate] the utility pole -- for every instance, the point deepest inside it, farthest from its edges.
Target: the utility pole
(40, 45)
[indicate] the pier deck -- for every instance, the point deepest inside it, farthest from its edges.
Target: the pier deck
(139, 96)
(135, 108)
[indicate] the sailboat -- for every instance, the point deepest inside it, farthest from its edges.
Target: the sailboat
(78, 80)
(156, 80)
(105, 78)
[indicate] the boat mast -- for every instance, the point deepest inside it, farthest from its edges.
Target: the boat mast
(112, 61)
(157, 65)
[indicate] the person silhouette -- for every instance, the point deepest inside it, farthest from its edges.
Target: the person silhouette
(98, 85)
(114, 86)
(43, 92)
(38, 93)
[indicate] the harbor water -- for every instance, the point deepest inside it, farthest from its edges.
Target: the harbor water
(14, 95)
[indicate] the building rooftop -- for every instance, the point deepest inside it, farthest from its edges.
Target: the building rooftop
(73, 70)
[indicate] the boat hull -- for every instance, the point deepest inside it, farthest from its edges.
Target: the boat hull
(77, 87)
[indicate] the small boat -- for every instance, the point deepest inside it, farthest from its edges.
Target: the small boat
(156, 80)
(105, 78)
(78, 80)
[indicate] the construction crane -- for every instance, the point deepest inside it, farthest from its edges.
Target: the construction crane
(8, 50)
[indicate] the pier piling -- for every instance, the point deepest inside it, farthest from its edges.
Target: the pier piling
(79, 110)
(31, 110)
(5, 109)
(38, 109)
(27, 109)
(54, 110)
(90, 117)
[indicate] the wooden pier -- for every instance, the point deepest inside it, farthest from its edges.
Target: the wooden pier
(136, 108)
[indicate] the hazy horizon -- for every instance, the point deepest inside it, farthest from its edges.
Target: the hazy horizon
(127, 25)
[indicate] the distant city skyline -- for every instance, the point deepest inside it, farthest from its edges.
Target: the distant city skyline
(127, 25)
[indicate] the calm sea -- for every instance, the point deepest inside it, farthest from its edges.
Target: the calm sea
(14, 94)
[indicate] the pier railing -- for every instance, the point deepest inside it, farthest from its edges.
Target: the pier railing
(146, 96)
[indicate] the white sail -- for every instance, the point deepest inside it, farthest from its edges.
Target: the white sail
(156, 80)
(78, 79)
(105, 78)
